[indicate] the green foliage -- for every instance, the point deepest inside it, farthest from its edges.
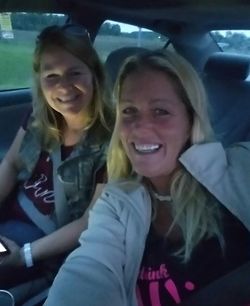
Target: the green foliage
(110, 29)
(105, 44)
(233, 42)
(35, 21)
(16, 54)
(16, 64)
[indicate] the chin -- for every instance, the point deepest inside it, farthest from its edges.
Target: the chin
(147, 173)
(74, 111)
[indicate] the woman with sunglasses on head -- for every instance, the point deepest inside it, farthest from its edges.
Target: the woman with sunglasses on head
(164, 235)
(51, 171)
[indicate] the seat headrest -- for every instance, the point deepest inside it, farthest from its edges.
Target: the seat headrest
(228, 66)
(116, 58)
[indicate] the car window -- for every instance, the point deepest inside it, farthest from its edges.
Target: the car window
(18, 32)
(233, 41)
(113, 35)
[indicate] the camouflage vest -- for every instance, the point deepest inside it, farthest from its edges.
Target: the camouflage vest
(77, 173)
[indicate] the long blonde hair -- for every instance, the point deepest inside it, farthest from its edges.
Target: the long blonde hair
(194, 209)
(49, 122)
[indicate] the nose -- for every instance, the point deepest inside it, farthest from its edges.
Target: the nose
(64, 83)
(143, 121)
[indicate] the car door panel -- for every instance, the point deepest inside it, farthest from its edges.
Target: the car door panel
(13, 107)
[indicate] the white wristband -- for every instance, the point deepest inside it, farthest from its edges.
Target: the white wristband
(27, 255)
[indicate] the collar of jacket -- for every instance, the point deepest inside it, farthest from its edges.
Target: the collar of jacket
(223, 172)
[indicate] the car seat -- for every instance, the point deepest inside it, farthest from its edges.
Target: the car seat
(116, 58)
(225, 78)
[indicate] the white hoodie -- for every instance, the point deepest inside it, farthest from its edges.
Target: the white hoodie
(103, 271)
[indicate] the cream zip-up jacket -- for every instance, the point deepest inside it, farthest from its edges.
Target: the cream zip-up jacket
(225, 173)
(103, 271)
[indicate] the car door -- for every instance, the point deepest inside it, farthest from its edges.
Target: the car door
(17, 41)
(14, 104)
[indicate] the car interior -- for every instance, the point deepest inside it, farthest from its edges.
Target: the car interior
(188, 27)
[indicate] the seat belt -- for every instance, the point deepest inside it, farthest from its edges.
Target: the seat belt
(44, 222)
(61, 207)
(47, 223)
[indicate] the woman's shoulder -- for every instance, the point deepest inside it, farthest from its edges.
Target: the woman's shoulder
(94, 141)
(127, 200)
(130, 192)
(214, 151)
(125, 186)
(225, 172)
(211, 161)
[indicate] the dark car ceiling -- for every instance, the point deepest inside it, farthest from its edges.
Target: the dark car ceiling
(209, 14)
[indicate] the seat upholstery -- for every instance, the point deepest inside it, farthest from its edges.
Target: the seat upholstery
(225, 78)
(116, 58)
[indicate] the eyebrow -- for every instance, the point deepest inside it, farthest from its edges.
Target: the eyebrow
(48, 67)
(155, 100)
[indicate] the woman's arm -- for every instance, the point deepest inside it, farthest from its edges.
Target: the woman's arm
(95, 268)
(62, 240)
(9, 166)
(103, 271)
(58, 242)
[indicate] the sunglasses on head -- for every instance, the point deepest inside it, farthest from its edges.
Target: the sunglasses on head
(75, 29)
(69, 29)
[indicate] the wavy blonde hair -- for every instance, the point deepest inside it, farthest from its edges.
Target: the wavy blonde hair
(194, 209)
(49, 122)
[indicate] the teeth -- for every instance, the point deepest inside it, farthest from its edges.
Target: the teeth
(146, 147)
(68, 99)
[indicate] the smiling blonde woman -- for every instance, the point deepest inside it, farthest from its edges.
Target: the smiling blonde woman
(58, 157)
(164, 235)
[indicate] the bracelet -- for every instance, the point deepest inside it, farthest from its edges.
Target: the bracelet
(27, 255)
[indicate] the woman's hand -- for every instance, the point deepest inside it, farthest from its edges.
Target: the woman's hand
(15, 258)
